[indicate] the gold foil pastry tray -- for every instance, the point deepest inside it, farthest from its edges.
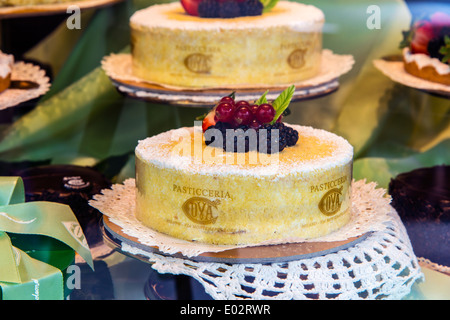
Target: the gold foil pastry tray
(279, 253)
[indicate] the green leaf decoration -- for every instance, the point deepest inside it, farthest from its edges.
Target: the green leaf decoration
(232, 95)
(407, 37)
(282, 102)
(262, 99)
(268, 5)
(445, 50)
(201, 117)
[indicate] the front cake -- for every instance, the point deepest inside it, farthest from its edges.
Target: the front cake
(281, 46)
(194, 191)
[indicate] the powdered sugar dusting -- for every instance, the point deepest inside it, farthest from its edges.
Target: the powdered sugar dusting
(154, 150)
(424, 60)
(299, 16)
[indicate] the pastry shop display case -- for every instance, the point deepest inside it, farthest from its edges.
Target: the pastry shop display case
(88, 81)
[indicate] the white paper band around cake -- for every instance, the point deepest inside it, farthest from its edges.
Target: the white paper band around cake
(381, 266)
(118, 68)
(22, 71)
(395, 70)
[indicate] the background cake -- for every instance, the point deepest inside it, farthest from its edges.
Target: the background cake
(71, 185)
(6, 64)
(422, 200)
(426, 48)
(282, 46)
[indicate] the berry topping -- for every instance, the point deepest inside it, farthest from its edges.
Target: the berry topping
(242, 103)
(228, 99)
(246, 126)
(208, 9)
(254, 124)
(243, 115)
(227, 8)
(422, 35)
(225, 112)
(251, 8)
(191, 6)
(265, 113)
(254, 108)
(209, 120)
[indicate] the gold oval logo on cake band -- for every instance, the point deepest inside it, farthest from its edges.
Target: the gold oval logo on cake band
(297, 58)
(201, 210)
(198, 63)
(331, 201)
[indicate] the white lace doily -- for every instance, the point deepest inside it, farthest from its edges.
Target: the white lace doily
(118, 68)
(395, 70)
(382, 266)
(24, 72)
(370, 212)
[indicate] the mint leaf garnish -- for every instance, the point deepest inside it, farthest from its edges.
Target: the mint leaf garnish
(282, 102)
(232, 95)
(268, 4)
(445, 50)
(262, 99)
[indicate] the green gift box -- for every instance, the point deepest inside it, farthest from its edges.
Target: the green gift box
(37, 241)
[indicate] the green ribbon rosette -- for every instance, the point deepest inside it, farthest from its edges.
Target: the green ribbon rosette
(37, 241)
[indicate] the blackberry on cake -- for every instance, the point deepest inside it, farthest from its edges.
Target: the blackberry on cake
(208, 9)
(229, 9)
(251, 7)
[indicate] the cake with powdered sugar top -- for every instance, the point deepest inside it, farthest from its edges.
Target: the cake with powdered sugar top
(196, 192)
(171, 47)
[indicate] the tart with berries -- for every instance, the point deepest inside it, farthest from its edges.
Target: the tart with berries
(243, 176)
(226, 43)
(426, 48)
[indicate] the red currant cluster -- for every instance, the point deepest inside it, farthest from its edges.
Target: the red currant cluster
(237, 121)
(239, 113)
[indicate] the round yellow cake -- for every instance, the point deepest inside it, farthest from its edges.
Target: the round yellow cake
(282, 46)
(200, 193)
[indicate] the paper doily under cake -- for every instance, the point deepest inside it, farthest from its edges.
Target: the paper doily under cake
(22, 71)
(371, 211)
(119, 70)
(395, 70)
(382, 266)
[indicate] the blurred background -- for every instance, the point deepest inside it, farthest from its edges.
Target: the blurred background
(84, 120)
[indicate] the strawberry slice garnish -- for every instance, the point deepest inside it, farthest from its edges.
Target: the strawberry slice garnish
(422, 33)
(209, 120)
(191, 6)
